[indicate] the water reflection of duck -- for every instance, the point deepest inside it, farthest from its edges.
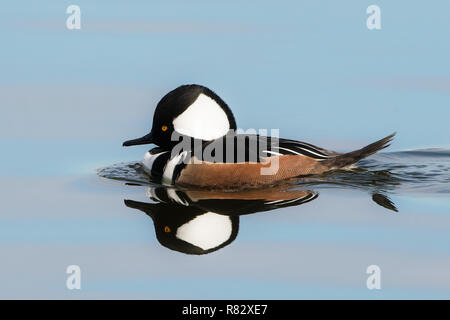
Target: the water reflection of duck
(200, 222)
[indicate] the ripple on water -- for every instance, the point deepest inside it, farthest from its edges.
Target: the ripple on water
(130, 172)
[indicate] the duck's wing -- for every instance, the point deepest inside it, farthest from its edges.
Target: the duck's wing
(281, 146)
(255, 148)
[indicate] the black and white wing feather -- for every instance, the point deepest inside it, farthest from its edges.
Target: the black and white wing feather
(292, 147)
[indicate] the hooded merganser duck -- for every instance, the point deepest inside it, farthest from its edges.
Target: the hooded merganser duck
(198, 115)
(200, 222)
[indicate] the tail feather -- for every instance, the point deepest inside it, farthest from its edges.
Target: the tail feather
(350, 158)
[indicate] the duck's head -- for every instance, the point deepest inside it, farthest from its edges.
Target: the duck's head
(190, 110)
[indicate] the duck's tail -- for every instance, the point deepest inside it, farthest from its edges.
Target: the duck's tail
(350, 158)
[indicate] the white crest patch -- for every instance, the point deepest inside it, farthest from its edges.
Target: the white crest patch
(206, 231)
(204, 119)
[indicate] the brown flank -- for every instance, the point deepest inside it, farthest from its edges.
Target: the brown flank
(248, 174)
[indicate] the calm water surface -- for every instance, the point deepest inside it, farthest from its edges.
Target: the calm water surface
(309, 239)
(70, 194)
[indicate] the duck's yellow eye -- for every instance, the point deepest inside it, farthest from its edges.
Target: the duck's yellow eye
(166, 229)
(164, 128)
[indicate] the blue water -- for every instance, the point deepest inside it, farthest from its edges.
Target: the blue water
(69, 98)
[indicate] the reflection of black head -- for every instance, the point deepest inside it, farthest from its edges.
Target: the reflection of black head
(199, 222)
(189, 229)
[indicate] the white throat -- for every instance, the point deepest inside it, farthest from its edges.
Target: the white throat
(206, 231)
(204, 119)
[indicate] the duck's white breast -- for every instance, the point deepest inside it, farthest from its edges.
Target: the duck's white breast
(165, 168)
(149, 161)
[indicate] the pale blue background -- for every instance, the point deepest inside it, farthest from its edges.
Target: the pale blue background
(311, 68)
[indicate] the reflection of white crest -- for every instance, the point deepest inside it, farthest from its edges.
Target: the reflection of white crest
(206, 231)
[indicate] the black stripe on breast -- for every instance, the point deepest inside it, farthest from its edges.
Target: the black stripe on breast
(177, 171)
(158, 165)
